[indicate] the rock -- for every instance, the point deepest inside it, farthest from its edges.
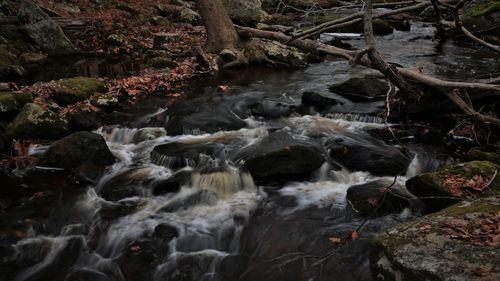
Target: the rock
(111, 211)
(73, 90)
(172, 184)
(482, 16)
(283, 53)
(84, 119)
(369, 155)
(117, 40)
(378, 198)
(435, 192)
(271, 109)
(10, 70)
(280, 157)
(104, 100)
(129, 183)
(78, 149)
(160, 21)
(176, 155)
(319, 101)
(361, 89)
(36, 122)
(12, 102)
(189, 16)
(162, 62)
(30, 12)
(244, 11)
(46, 33)
(478, 155)
(424, 249)
(168, 10)
(161, 38)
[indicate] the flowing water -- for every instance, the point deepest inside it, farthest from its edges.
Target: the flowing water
(221, 223)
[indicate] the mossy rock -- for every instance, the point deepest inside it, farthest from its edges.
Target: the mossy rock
(12, 102)
(478, 155)
(483, 8)
(482, 16)
(77, 89)
(189, 16)
(359, 89)
(36, 122)
(434, 192)
(423, 249)
(162, 62)
(6, 57)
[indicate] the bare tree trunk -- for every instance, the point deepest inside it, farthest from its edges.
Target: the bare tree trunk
(221, 33)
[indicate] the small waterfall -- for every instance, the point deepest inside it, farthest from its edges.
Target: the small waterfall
(224, 183)
(356, 118)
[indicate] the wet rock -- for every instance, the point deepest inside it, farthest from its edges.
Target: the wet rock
(423, 249)
(129, 183)
(55, 263)
(203, 197)
(139, 259)
(361, 89)
(12, 102)
(435, 191)
(176, 155)
(319, 101)
(43, 31)
(478, 155)
(111, 211)
(36, 122)
(368, 154)
(78, 149)
(244, 11)
(378, 198)
(283, 53)
(272, 109)
(166, 232)
(189, 16)
(72, 90)
(280, 157)
(172, 184)
(117, 40)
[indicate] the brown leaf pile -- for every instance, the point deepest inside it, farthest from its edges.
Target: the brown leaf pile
(460, 186)
(481, 231)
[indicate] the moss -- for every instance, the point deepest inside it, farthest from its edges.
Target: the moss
(13, 101)
(326, 18)
(76, 89)
(6, 58)
(162, 62)
(485, 8)
(484, 205)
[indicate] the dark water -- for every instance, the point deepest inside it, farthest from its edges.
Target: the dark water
(224, 224)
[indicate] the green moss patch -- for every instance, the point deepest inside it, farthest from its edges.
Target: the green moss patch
(483, 9)
(77, 89)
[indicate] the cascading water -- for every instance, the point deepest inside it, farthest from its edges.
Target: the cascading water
(193, 210)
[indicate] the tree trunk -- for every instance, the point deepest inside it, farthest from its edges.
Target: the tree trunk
(221, 33)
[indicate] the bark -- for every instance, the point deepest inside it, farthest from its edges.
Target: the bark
(220, 30)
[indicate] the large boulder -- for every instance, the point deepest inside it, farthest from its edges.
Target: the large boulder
(36, 122)
(244, 11)
(368, 154)
(458, 243)
(78, 149)
(72, 90)
(43, 31)
(450, 184)
(280, 157)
